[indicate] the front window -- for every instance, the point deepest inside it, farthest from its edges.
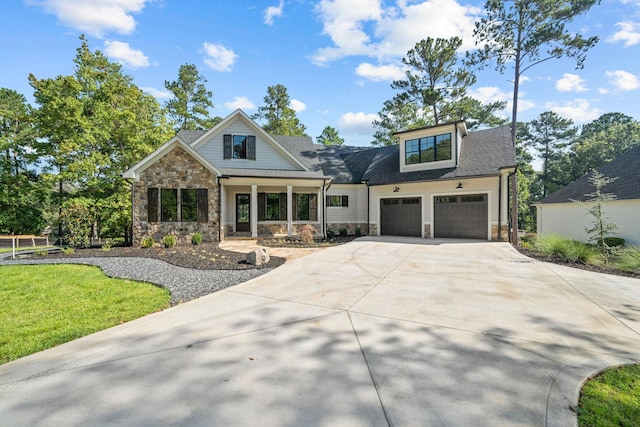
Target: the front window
(273, 207)
(168, 205)
(303, 207)
(189, 205)
(239, 147)
(428, 149)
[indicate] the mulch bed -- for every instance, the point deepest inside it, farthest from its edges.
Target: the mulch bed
(297, 243)
(206, 256)
(596, 268)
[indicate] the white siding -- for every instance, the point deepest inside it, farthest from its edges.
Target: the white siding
(267, 155)
(356, 212)
(571, 219)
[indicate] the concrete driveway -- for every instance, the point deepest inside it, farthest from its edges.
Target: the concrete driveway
(377, 332)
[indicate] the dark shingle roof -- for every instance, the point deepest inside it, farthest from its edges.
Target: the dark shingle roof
(189, 136)
(483, 153)
(333, 160)
(626, 167)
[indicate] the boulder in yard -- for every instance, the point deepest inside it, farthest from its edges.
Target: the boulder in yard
(258, 257)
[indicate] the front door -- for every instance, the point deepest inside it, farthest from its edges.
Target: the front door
(243, 202)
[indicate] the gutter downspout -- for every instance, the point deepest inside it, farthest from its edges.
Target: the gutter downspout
(513, 234)
(325, 188)
(500, 208)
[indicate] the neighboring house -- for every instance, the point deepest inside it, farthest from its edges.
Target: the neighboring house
(558, 214)
(237, 180)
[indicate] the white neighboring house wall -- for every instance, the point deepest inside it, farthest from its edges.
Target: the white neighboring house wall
(571, 219)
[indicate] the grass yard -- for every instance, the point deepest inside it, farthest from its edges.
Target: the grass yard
(611, 398)
(46, 305)
(23, 248)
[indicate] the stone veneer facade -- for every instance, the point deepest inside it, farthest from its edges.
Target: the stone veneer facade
(349, 226)
(179, 170)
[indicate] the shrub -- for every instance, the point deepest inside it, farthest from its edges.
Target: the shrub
(76, 223)
(68, 250)
(343, 232)
(614, 242)
(565, 249)
(529, 238)
(106, 246)
(147, 242)
(40, 252)
(330, 234)
(628, 259)
(169, 241)
(196, 238)
(306, 233)
(357, 232)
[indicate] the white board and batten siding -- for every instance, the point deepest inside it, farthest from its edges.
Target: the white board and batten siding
(571, 220)
(356, 212)
(268, 156)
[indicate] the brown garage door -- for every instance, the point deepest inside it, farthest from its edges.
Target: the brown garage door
(460, 216)
(401, 216)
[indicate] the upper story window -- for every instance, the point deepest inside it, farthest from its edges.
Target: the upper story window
(239, 147)
(428, 149)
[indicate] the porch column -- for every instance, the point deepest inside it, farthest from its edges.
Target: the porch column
(320, 211)
(253, 215)
(223, 209)
(289, 210)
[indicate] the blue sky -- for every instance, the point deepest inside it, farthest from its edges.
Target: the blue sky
(337, 58)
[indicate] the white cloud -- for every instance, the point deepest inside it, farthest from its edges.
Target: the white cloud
(487, 94)
(273, 12)
(94, 17)
(378, 73)
(366, 27)
(623, 80)
(297, 105)
(570, 83)
(579, 110)
(629, 33)
(219, 58)
(123, 53)
(360, 123)
(156, 93)
(241, 102)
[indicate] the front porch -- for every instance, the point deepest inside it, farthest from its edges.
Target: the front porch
(271, 208)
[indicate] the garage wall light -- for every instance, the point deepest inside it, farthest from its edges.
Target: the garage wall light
(395, 190)
(459, 185)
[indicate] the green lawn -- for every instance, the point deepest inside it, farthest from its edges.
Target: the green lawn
(611, 398)
(46, 305)
(23, 248)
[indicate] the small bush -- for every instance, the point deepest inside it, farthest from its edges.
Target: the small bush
(330, 234)
(40, 252)
(69, 250)
(106, 246)
(196, 238)
(565, 249)
(614, 242)
(529, 238)
(343, 232)
(147, 242)
(357, 232)
(306, 233)
(628, 259)
(169, 241)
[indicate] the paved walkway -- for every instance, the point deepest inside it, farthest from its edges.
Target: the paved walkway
(375, 332)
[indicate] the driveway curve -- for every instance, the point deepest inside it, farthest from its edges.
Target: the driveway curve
(380, 331)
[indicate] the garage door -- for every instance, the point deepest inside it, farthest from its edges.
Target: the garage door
(460, 216)
(401, 217)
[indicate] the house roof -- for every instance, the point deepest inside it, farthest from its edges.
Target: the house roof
(483, 153)
(626, 167)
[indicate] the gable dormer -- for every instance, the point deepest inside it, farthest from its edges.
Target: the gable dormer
(433, 147)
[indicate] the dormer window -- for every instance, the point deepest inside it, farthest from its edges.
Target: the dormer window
(428, 149)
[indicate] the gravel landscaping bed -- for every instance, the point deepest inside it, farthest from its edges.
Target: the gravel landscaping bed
(184, 284)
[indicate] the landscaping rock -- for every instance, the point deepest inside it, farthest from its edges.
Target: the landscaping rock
(258, 257)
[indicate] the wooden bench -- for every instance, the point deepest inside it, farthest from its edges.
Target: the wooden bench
(15, 240)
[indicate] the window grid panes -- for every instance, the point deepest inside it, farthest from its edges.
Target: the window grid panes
(239, 146)
(428, 149)
(189, 205)
(302, 203)
(273, 207)
(169, 205)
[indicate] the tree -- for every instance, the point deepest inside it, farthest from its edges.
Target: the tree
(549, 135)
(189, 107)
(603, 140)
(279, 117)
(330, 136)
(522, 34)
(23, 195)
(434, 92)
(601, 225)
(96, 124)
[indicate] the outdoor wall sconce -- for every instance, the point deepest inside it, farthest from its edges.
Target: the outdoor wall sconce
(395, 190)
(459, 185)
